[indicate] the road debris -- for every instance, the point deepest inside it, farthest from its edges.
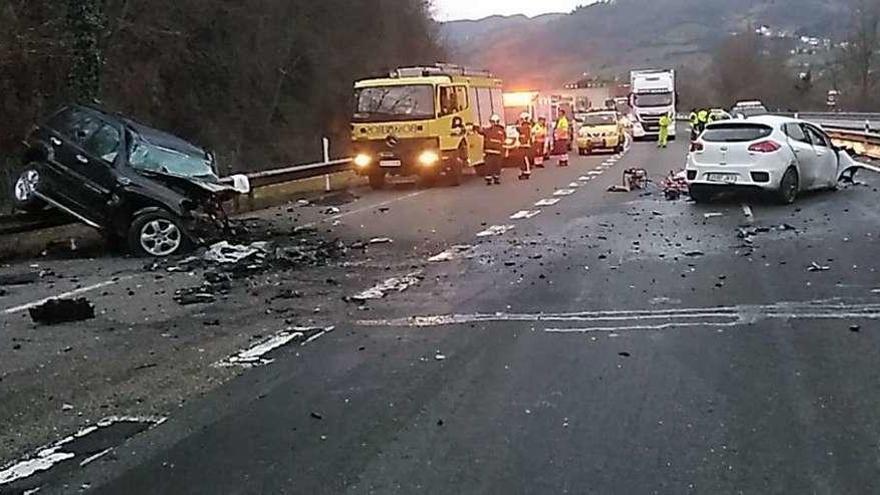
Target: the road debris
(713, 215)
(816, 267)
(439, 357)
(380, 240)
(331, 210)
(675, 185)
(23, 278)
(693, 254)
(257, 354)
(55, 311)
(855, 328)
(394, 284)
(224, 252)
(195, 295)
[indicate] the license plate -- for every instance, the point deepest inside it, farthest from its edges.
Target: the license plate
(724, 178)
(598, 142)
(390, 163)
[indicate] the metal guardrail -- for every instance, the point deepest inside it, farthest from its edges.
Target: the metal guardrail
(297, 172)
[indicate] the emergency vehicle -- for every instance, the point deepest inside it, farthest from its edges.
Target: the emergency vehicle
(419, 121)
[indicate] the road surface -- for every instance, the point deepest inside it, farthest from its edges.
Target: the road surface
(610, 343)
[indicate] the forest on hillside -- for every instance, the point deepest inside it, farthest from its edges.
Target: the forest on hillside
(257, 81)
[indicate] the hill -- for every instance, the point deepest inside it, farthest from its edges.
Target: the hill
(609, 38)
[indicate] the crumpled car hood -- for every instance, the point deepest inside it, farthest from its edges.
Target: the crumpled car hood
(193, 184)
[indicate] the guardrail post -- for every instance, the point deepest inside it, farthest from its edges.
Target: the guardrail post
(326, 160)
(867, 126)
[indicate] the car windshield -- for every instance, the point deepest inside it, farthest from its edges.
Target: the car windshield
(653, 99)
(390, 103)
(736, 133)
(152, 158)
(591, 119)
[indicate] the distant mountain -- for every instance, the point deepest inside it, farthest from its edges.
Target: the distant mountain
(610, 37)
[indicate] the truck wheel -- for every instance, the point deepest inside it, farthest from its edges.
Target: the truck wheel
(157, 234)
(22, 190)
(377, 180)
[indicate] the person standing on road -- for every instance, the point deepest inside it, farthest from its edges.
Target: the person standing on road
(665, 122)
(702, 120)
(493, 149)
(561, 136)
(526, 145)
(539, 134)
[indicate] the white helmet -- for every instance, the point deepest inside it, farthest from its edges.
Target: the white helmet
(495, 118)
(525, 116)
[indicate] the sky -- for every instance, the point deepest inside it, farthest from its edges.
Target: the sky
(447, 10)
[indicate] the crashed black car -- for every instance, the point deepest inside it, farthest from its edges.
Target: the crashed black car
(143, 188)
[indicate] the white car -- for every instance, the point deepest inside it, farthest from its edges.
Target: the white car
(778, 154)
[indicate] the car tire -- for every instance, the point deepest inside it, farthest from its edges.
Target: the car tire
(22, 197)
(377, 180)
(157, 234)
(789, 187)
(699, 194)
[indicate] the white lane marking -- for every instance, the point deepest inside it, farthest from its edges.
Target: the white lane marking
(49, 455)
(496, 230)
(584, 178)
(574, 185)
(548, 202)
(525, 214)
(599, 168)
(564, 192)
(654, 319)
(455, 252)
(393, 284)
(89, 460)
(65, 295)
(373, 207)
(594, 172)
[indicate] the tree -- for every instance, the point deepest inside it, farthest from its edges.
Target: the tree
(85, 22)
(861, 49)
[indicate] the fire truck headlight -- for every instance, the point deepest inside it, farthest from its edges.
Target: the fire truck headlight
(362, 160)
(429, 158)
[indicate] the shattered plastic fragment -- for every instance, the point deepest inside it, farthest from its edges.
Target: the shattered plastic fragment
(394, 284)
(816, 267)
(57, 311)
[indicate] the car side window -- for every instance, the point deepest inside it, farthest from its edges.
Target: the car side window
(104, 143)
(83, 128)
(797, 133)
(817, 137)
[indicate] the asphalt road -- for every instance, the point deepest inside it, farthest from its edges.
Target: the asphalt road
(612, 343)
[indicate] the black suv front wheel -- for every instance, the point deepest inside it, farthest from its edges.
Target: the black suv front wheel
(157, 234)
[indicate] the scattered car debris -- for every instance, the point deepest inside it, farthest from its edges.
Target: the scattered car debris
(256, 355)
(224, 252)
(55, 311)
(381, 240)
(331, 210)
(394, 284)
(195, 295)
(635, 179)
(855, 328)
(713, 215)
(816, 267)
(439, 357)
(675, 185)
(694, 253)
(618, 188)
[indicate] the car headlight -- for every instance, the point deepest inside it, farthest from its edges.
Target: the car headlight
(429, 158)
(362, 160)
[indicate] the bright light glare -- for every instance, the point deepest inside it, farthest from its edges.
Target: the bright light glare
(522, 99)
(362, 160)
(429, 158)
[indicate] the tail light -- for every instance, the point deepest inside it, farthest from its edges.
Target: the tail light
(696, 146)
(765, 147)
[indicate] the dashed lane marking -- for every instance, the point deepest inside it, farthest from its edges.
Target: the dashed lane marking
(564, 192)
(548, 202)
(65, 295)
(525, 214)
(496, 230)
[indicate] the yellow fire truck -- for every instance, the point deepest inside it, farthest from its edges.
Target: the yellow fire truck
(419, 121)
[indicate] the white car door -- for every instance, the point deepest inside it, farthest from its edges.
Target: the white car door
(826, 158)
(802, 147)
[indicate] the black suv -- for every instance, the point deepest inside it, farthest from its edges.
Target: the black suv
(156, 192)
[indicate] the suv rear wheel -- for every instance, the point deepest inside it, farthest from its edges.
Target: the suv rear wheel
(157, 234)
(23, 188)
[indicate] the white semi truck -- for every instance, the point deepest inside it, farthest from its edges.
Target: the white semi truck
(653, 95)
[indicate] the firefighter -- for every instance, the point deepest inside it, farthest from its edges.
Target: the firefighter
(526, 145)
(539, 134)
(665, 122)
(561, 136)
(493, 149)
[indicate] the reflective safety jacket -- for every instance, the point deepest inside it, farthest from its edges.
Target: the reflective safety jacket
(494, 137)
(665, 121)
(539, 132)
(703, 117)
(563, 129)
(695, 119)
